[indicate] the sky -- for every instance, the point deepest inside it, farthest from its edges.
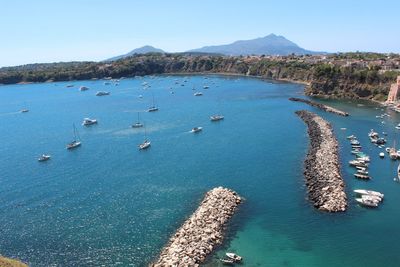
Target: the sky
(34, 31)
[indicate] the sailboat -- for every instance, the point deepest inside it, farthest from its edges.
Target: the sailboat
(153, 107)
(138, 124)
(146, 143)
(76, 142)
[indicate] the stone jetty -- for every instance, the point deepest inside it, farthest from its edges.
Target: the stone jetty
(322, 171)
(202, 232)
(320, 106)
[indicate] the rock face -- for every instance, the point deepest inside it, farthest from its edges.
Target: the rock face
(202, 232)
(320, 106)
(322, 172)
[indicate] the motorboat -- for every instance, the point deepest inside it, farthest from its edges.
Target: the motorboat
(44, 157)
(367, 203)
(364, 172)
(102, 93)
(88, 121)
(357, 163)
(227, 261)
(382, 155)
(206, 86)
(198, 94)
(364, 158)
(83, 88)
(196, 129)
(216, 117)
(351, 137)
(233, 256)
(369, 192)
(24, 110)
(373, 134)
(362, 176)
(398, 126)
(355, 142)
(380, 141)
(144, 145)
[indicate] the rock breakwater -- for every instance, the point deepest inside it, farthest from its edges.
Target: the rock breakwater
(322, 171)
(202, 232)
(320, 106)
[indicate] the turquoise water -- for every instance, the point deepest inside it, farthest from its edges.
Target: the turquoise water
(106, 203)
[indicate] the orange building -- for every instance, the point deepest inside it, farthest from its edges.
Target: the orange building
(394, 91)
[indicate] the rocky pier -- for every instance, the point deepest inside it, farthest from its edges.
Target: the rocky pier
(322, 169)
(202, 232)
(320, 106)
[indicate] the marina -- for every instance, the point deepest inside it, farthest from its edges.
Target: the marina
(126, 214)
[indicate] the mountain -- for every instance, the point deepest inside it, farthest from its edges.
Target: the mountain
(141, 50)
(269, 45)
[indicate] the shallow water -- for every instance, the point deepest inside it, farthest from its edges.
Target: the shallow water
(106, 203)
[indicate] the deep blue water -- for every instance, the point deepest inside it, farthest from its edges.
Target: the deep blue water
(106, 203)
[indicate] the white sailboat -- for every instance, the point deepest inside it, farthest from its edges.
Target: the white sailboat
(138, 124)
(153, 107)
(76, 142)
(146, 143)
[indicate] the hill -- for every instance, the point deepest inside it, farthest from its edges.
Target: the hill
(269, 45)
(141, 50)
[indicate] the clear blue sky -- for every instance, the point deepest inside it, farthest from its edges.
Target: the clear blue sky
(65, 30)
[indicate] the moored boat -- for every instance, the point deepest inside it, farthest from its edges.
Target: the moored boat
(366, 202)
(88, 121)
(198, 94)
(76, 141)
(138, 124)
(362, 176)
(24, 110)
(216, 117)
(196, 129)
(144, 145)
(102, 93)
(369, 192)
(83, 88)
(44, 157)
(234, 256)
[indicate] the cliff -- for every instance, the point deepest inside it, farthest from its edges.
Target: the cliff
(325, 76)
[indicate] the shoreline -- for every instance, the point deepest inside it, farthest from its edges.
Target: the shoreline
(322, 167)
(202, 232)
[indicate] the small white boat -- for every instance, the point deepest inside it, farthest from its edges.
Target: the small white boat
(343, 129)
(83, 88)
(362, 176)
(88, 121)
(216, 117)
(152, 109)
(357, 163)
(234, 256)
(198, 94)
(44, 157)
(144, 145)
(398, 126)
(382, 155)
(24, 110)
(227, 261)
(102, 93)
(369, 192)
(351, 137)
(366, 202)
(206, 86)
(196, 129)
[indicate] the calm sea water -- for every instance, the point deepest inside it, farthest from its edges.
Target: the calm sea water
(108, 204)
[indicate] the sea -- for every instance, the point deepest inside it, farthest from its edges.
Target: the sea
(107, 203)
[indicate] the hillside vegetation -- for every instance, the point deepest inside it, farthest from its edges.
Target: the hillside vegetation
(325, 76)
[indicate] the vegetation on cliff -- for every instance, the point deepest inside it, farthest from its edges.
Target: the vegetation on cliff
(353, 75)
